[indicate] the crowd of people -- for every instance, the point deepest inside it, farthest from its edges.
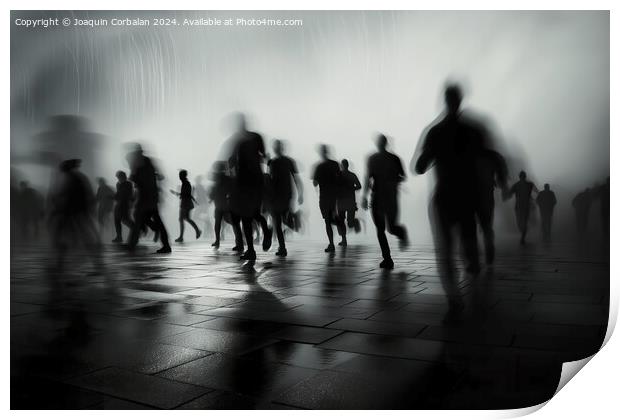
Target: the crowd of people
(468, 167)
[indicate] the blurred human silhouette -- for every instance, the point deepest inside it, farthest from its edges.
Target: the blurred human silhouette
(328, 177)
(145, 176)
(201, 210)
(186, 205)
(71, 216)
(454, 145)
(347, 205)
(283, 173)
(124, 198)
(582, 203)
(546, 203)
(247, 156)
(383, 175)
(220, 194)
(491, 172)
(522, 190)
(603, 194)
(105, 204)
(29, 210)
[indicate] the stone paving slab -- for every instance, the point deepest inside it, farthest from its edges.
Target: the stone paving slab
(198, 329)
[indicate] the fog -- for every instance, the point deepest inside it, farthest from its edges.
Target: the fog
(540, 78)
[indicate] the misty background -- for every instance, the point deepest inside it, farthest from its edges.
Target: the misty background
(540, 78)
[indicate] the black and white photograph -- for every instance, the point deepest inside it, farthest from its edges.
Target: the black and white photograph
(306, 209)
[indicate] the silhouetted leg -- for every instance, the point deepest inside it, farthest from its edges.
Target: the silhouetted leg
(181, 226)
(248, 232)
(378, 217)
(117, 223)
(163, 234)
(236, 225)
(192, 223)
(470, 241)
(142, 218)
(329, 231)
(277, 221)
(217, 215)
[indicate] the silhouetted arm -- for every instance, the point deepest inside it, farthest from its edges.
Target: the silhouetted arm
(427, 157)
(367, 186)
(300, 189)
(401, 171)
(356, 183)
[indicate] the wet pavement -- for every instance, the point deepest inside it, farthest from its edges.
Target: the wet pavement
(197, 330)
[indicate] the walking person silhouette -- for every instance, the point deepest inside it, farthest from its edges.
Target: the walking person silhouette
(522, 190)
(248, 154)
(186, 205)
(144, 175)
(328, 178)
(105, 203)
(283, 173)
(124, 198)
(383, 175)
(452, 146)
(546, 203)
(347, 205)
(219, 194)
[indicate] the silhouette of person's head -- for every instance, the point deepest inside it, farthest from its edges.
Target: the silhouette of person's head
(70, 165)
(546, 187)
(121, 176)
(239, 122)
(345, 164)
(278, 147)
(134, 154)
(381, 142)
(453, 96)
(324, 151)
(101, 181)
(182, 174)
(522, 175)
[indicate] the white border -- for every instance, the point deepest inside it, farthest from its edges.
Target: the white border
(592, 393)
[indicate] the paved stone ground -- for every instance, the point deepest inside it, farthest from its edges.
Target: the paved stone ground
(196, 330)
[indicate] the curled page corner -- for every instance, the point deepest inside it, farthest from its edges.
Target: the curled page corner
(569, 370)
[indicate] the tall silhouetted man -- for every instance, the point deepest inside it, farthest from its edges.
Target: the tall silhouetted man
(546, 203)
(247, 157)
(347, 205)
(452, 146)
(283, 173)
(522, 190)
(124, 199)
(582, 203)
(384, 173)
(186, 205)
(328, 178)
(144, 175)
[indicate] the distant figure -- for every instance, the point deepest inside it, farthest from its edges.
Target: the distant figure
(347, 205)
(603, 195)
(29, 210)
(491, 172)
(383, 175)
(220, 194)
(201, 211)
(185, 207)
(582, 203)
(145, 176)
(522, 190)
(453, 146)
(246, 159)
(124, 199)
(105, 204)
(283, 173)
(328, 178)
(546, 203)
